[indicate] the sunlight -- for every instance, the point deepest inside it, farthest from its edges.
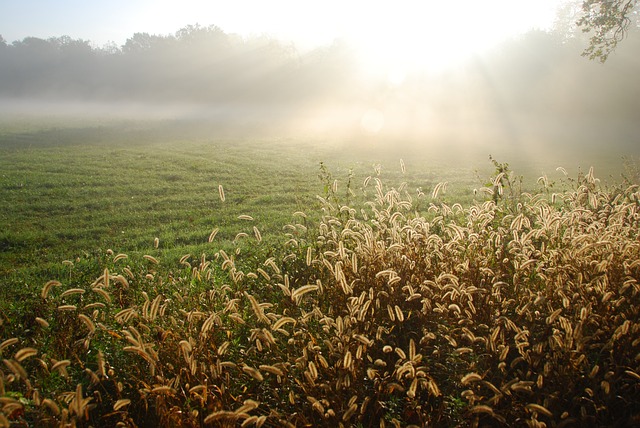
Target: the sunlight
(435, 35)
(391, 38)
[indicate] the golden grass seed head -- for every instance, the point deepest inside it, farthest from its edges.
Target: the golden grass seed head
(48, 286)
(254, 373)
(87, 322)
(51, 405)
(151, 259)
(322, 361)
(8, 342)
(348, 414)
(481, 408)
(25, 353)
(120, 256)
(272, 370)
(347, 360)
(632, 374)
(42, 322)
(248, 406)
(71, 292)
(470, 378)
(257, 234)
(121, 403)
(536, 408)
(399, 313)
(400, 353)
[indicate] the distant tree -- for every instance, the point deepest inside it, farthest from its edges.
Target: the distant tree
(33, 45)
(141, 42)
(199, 34)
(3, 42)
(608, 21)
(109, 48)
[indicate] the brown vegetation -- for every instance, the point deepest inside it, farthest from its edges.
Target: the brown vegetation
(505, 313)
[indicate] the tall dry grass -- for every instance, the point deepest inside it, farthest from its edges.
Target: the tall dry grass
(519, 314)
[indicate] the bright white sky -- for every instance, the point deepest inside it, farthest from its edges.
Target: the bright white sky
(384, 32)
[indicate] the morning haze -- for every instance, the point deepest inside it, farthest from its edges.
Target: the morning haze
(533, 90)
(429, 219)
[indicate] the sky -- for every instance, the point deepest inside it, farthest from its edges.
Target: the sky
(382, 31)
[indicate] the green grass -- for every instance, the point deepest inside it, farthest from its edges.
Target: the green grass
(71, 190)
(81, 193)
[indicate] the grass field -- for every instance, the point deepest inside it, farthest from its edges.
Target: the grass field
(71, 189)
(75, 194)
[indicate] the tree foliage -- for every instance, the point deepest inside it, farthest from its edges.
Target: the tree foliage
(608, 21)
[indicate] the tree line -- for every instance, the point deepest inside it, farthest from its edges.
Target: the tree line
(194, 64)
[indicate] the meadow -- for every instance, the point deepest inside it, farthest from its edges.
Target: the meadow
(157, 273)
(72, 189)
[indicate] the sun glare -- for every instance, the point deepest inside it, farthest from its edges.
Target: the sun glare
(391, 38)
(397, 38)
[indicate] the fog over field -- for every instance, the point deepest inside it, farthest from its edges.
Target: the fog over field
(407, 213)
(533, 91)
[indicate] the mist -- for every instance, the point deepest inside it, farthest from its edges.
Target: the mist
(531, 93)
